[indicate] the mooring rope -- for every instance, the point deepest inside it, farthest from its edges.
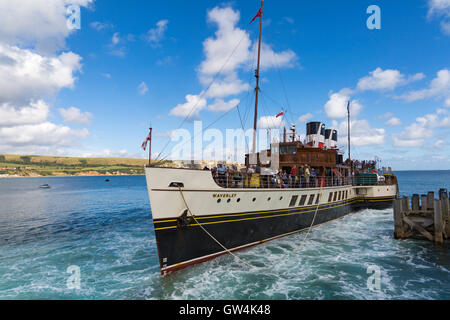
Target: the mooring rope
(209, 234)
(314, 220)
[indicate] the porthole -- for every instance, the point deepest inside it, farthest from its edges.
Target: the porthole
(229, 200)
(219, 200)
(254, 199)
(281, 198)
(269, 199)
(239, 200)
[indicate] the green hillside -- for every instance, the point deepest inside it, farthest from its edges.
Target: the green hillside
(29, 166)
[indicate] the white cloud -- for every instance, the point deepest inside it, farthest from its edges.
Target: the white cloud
(75, 116)
(115, 39)
(29, 75)
(271, 122)
(99, 26)
(362, 134)
(155, 35)
(230, 51)
(226, 88)
(422, 129)
(385, 116)
(336, 107)
(305, 117)
(142, 88)
(41, 23)
(191, 109)
(31, 72)
(440, 8)
(270, 59)
(394, 122)
(42, 134)
(223, 106)
(386, 80)
(439, 87)
(34, 113)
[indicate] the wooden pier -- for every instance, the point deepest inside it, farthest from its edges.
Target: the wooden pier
(423, 218)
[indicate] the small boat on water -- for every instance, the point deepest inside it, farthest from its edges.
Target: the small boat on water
(45, 186)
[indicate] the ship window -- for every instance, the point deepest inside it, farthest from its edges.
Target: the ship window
(292, 150)
(346, 194)
(339, 195)
(330, 197)
(293, 201)
(335, 196)
(311, 199)
(318, 199)
(283, 150)
(239, 200)
(303, 200)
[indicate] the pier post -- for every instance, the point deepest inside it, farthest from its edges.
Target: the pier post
(398, 219)
(445, 214)
(438, 222)
(415, 203)
(423, 199)
(405, 205)
(430, 200)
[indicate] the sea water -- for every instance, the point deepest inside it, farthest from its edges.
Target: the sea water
(103, 230)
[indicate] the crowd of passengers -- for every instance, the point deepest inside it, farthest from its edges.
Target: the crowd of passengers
(304, 177)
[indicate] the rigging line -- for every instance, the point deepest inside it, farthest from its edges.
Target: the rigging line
(265, 107)
(209, 126)
(207, 89)
(281, 80)
(210, 235)
(243, 129)
(274, 101)
(312, 223)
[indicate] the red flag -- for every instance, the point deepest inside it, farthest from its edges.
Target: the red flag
(257, 15)
(280, 114)
(145, 143)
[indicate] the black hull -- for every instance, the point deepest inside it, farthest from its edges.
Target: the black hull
(182, 242)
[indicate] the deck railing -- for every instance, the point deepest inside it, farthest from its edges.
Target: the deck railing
(256, 181)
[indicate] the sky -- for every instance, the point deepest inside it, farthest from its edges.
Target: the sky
(94, 91)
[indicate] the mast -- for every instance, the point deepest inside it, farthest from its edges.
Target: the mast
(150, 149)
(255, 126)
(349, 140)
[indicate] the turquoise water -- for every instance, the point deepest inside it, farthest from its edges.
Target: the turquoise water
(105, 229)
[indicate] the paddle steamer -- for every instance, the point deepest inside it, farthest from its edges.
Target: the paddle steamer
(198, 216)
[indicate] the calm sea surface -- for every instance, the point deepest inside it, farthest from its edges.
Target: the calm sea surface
(105, 229)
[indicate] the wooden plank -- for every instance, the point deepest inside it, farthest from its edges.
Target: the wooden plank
(419, 228)
(398, 219)
(430, 200)
(446, 214)
(415, 203)
(438, 227)
(423, 199)
(405, 204)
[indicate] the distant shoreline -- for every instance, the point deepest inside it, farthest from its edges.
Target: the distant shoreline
(69, 176)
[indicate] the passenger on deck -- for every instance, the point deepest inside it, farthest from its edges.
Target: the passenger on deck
(222, 172)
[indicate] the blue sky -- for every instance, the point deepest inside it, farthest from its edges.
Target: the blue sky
(134, 63)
